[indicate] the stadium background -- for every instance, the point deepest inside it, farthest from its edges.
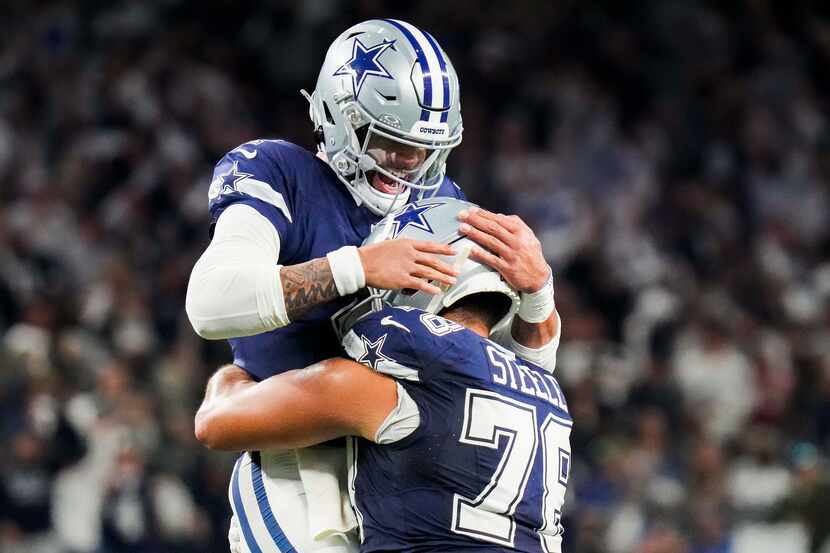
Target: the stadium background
(673, 157)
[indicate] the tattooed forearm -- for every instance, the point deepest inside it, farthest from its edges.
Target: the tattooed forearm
(307, 285)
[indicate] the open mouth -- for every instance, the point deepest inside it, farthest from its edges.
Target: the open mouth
(384, 184)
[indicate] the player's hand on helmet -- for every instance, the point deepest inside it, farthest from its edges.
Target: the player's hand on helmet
(514, 250)
(407, 263)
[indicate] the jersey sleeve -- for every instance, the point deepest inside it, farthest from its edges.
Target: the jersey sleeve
(405, 343)
(256, 174)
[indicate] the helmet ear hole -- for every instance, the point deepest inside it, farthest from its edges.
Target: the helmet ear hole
(329, 116)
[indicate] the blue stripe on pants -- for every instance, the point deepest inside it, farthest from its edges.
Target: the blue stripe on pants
(279, 537)
(240, 510)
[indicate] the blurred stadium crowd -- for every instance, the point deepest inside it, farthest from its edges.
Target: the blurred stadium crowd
(673, 157)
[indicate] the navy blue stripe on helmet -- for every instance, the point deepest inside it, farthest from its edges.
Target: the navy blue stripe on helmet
(422, 61)
(277, 534)
(443, 65)
(240, 511)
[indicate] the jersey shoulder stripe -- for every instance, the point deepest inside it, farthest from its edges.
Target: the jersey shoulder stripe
(404, 342)
(256, 173)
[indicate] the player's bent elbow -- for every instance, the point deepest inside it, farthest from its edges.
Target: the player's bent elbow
(207, 322)
(201, 330)
(205, 330)
(208, 428)
(207, 313)
(203, 430)
(197, 307)
(217, 310)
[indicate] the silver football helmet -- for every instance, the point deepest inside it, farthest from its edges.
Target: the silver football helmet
(435, 220)
(387, 112)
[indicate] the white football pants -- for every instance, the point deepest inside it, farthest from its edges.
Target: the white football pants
(271, 511)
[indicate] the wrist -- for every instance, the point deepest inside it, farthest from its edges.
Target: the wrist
(539, 282)
(347, 270)
(538, 306)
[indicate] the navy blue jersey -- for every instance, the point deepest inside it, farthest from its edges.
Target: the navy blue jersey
(486, 468)
(313, 213)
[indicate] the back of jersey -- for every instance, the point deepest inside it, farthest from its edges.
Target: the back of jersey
(487, 466)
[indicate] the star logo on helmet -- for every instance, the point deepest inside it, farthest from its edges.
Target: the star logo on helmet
(227, 181)
(365, 62)
(372, 355)
(413, 216)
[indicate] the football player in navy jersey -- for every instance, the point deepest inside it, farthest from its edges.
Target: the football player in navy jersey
(461, 444)
(286, 223)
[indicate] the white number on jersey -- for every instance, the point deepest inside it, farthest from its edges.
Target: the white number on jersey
(489, 417)
(439, 325)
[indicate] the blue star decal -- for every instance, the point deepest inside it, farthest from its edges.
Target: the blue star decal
(365, 62)
(229, 180)
(372, 354)
(413, 216)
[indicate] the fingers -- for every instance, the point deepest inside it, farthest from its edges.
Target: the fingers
(488, 226)
(433, 247)
(437, 264)
(423, 285)
(480, 212)
(484, 239)
(494, 261)
(512, 223)
(431, 274)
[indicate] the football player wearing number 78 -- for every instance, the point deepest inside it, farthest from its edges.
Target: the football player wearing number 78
(458, 443)
(386, 113)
